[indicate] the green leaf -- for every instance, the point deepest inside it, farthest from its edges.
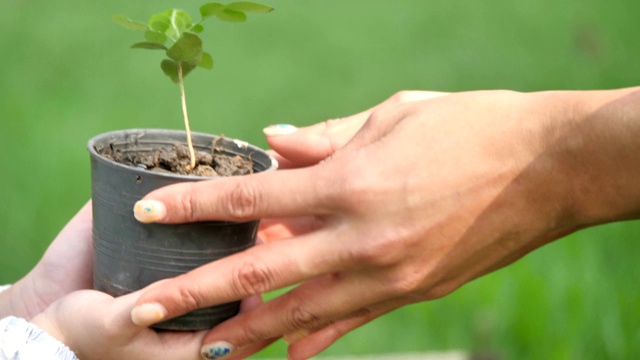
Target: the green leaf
(160, 23)
(231, 16)
(160, 27)
(180, 21)
(197, 29)
(170, 68)
(150, 45)
(207, 61)
(249, 7)
(127, 23)
(187, 49)
(187, 68)
(211, 9)
(155, 37)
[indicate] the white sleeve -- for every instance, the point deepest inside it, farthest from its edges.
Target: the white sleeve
(4, 287)
(21, 340)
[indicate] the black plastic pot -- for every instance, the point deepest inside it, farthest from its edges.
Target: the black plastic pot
(130, 255)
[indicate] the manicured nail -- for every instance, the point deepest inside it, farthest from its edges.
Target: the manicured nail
(279, 129)
(148, 211)
(217, 350)
(295, 336)
(147, 314)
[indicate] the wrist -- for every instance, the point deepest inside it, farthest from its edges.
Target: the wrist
(23, 340)
(43, 322)
(595, 145)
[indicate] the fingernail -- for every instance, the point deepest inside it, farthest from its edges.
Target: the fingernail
(148, 211)
(147, 314)
(217, 350)
(279, 129)
(295, 336)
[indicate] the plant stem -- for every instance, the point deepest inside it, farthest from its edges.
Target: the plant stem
(192, 153)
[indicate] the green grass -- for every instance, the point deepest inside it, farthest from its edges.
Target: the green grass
(67, 74)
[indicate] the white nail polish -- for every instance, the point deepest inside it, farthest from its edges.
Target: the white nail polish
(148, 211)
(279, 129)
(147, 314)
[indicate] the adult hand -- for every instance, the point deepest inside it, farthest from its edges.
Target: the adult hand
(296, 148)
(96, 326)
(425, 197)
(66, 266)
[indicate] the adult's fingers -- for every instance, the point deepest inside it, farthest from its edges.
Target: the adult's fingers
(248, 304)
(241, 198)
(319, 341)
(283, 163)
(304, 345)
(384, 116)
(282, 228)
(119, 312)
(257, 270)
(312, 305)
(310, 145)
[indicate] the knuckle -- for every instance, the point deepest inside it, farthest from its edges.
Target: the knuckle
(302, 318)
(419, 284)
(386, 246)
(189, 298)
(377, 117)
(187, 204)
(252, 279)
(243, 201)
(401, 97)
(440, 291)
(373, 255)
(406, 282)
(331, 123)
(364, 312)
(356, 192)
(254, 332)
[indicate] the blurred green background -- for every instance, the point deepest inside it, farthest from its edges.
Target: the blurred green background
(67, 74)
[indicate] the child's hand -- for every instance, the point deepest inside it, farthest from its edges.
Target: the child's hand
(66, 266)
(97, 326)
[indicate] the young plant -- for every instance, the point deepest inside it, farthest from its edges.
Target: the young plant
(176, 33)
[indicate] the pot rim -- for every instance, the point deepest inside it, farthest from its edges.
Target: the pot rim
(118, 133)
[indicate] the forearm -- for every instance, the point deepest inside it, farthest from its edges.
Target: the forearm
(597, 148)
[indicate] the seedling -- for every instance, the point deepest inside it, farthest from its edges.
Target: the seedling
(176, 33)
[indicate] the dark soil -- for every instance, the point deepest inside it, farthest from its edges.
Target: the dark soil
(176, 160)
